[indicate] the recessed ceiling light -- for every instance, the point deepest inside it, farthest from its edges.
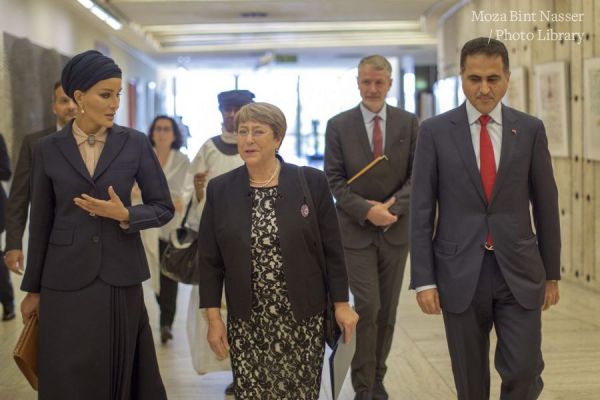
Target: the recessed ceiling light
(102, 14)
(254, 14)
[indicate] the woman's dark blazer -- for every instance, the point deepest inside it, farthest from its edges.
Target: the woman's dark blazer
(224, 250)
(68, 248)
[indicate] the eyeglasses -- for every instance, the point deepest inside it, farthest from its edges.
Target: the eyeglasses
(255, 133)
(163, 129)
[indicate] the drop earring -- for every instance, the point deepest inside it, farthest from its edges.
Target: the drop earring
(82, 110)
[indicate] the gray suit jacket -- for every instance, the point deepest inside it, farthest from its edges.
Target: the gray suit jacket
(447, 247)
(347, 151)
(17, 207)
(68, 248)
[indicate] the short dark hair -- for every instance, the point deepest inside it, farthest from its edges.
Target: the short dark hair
(178, 142)
(487, 46)
(57, 85)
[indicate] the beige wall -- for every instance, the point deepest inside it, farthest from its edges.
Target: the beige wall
(578, 179)
(65, 26)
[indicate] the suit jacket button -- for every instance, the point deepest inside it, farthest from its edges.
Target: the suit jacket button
(95, 239)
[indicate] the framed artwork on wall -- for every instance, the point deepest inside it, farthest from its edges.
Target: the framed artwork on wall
(591, 109)
(552, 93)
(516, 96)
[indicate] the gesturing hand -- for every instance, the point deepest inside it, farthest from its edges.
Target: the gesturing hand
(199, 182)
(113, 208)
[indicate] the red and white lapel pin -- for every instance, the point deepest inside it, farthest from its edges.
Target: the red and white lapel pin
(304, 210)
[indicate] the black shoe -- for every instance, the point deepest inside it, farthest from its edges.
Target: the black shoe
(230, 389)
(379, 392)
(165, 334)
(363, 395)
(9, 313)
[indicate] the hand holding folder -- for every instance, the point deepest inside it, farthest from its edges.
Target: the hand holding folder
(339, 363)
(25, 353)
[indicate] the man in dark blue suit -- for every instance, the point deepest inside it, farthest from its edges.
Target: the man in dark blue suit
(474, 255)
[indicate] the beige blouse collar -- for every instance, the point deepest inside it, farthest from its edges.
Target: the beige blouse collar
(81, 136)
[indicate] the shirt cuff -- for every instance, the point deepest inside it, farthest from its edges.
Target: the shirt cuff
(426, 287)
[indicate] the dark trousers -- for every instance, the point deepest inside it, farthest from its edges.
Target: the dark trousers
(167, 298)
(518, 357)
(7, 297)
(375, 276)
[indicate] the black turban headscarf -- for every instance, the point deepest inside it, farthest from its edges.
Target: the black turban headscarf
(235, 98)
(86, 69)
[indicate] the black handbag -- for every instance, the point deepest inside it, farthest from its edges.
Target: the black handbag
(179, 260)
(331, 328)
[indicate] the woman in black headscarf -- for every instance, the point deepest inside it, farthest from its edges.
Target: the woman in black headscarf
(86, 262)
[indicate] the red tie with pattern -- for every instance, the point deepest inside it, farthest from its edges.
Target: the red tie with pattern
(377, 138)
(487, 165)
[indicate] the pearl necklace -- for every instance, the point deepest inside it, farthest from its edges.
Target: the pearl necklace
(265, 183)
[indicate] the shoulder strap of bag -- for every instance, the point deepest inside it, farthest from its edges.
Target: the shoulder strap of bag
(187, 211)
(314, 225)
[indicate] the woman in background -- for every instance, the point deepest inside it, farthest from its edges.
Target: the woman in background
(166, 139)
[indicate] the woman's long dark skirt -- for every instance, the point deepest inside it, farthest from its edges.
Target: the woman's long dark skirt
(96, 344)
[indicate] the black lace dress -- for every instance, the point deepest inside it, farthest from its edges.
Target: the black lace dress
(273, 356)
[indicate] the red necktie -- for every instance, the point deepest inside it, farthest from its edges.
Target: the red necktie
(487, 164)
(377, 138)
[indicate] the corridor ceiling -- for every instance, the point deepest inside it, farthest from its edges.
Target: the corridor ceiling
(169, 29)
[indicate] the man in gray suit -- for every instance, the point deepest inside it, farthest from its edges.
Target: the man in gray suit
(18, 203)
(374, 231)
(474, 255)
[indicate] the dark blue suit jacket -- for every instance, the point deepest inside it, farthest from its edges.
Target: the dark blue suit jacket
(450, 215)
(69, 249)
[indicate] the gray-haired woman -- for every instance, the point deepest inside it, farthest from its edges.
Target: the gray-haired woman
(257, 242)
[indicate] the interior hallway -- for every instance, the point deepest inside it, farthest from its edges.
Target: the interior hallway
(419, 366)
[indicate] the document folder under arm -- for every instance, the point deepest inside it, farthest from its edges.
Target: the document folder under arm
(374, 180)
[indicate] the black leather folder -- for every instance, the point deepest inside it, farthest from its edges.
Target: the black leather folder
(374, 181)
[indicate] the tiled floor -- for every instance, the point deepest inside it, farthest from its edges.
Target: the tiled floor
(419, 366)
